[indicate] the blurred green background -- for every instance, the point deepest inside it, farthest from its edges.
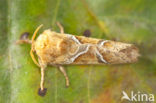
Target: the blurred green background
(131, 21)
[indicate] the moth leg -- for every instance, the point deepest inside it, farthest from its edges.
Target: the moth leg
(61, 68)
(24, 38)
(23, 41)
(42, 78)
(61, 27)
(42, 91)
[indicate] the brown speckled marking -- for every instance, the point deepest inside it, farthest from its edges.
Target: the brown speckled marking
(87, 58)
(103, 43)
(81, 51)
(100, 58)
(83, 40)
(128, 50)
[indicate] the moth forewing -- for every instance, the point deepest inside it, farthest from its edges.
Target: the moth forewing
(56, 48)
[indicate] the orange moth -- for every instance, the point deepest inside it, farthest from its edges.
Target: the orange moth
(58, 49)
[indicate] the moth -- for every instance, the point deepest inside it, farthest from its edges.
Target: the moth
(58, 49)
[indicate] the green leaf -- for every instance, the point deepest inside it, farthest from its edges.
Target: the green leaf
(131, 21)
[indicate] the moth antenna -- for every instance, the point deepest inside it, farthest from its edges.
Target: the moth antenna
(32, 45)
(34, 35)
